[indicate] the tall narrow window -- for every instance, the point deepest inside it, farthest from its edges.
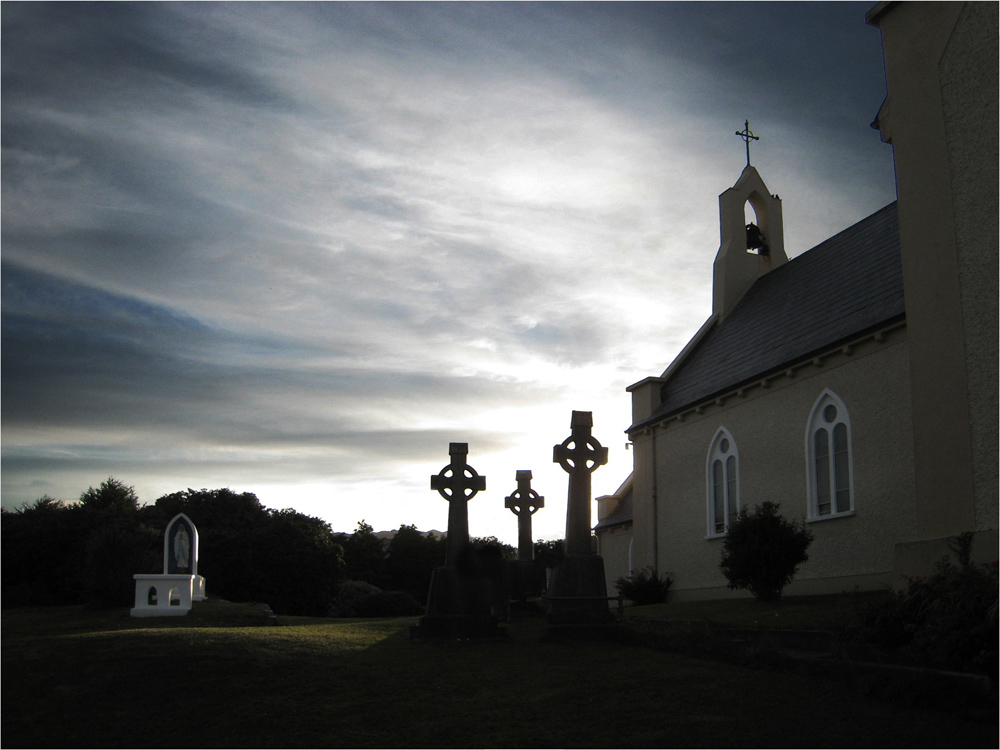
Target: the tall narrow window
(723, 483)
(828, 447)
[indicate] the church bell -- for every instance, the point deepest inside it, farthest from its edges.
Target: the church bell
(756, 240)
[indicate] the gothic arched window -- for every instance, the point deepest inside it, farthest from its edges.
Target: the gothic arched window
(723, 483)
(830, 462)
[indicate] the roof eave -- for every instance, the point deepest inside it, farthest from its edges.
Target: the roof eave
(765, 374)
(873, 16)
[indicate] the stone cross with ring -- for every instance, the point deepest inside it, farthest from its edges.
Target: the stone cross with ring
(523, 503)
(579, 455)
(457, 483)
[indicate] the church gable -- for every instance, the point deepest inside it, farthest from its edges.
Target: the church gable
(848, 285)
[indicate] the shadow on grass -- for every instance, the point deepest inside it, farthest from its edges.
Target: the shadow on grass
(363, 684)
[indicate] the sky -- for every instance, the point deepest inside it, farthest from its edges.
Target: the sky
(298, 249)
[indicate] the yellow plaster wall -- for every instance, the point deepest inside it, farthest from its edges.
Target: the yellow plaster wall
(613, 545)
(769, 427)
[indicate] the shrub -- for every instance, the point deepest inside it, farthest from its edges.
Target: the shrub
(388, 604)
(362, 599)
(947, 619)
(763, 550)
(349, 593)
(114, 553)
(644, 586)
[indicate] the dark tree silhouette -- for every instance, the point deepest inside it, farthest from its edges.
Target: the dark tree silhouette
(365, 556)
(411, 559)
(112, 495)
(55, 553)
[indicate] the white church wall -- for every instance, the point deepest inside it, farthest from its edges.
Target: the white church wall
(940, 116)
(613, 547)
(768, 426)
(969, 86)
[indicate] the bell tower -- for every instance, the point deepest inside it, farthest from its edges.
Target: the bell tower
(747, 250)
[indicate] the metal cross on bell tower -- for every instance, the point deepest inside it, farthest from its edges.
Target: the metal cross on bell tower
(747, 135)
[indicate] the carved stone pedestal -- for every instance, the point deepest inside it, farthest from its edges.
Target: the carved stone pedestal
(458, 609)
(577, 598)
(578, 592)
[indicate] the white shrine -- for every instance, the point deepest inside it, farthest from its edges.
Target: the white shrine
(172, 592)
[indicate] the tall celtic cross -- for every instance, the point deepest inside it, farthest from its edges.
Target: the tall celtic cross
(747, 135)
(457, 483)
(524, 502)
(579, 455)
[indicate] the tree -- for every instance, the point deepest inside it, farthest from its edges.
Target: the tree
(54, 553)
(212, 508)
(763, 550)
(89, 551)
(112, 495)
(113, 554)
(43, 551)
(494, 547)
(297, 563)
(285, 558)
(365, 556)
(411, 559)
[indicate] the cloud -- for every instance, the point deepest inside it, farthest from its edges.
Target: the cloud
(298, 247)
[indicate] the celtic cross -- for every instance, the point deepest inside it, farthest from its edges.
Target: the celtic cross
(747, 135)
(579, 455)
(523, 503)
(457, 483)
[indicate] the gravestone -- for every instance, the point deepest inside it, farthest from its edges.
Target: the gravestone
(459, 600)
(524, 502)
(578, 592)
(171, 593)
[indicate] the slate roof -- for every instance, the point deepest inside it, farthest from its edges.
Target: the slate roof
(843, 287)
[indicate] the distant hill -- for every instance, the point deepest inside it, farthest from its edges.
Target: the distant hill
(386, 536)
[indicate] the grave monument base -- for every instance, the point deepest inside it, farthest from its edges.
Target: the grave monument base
(578, 592)
(458, 609)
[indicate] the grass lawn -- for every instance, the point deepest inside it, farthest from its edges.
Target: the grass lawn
(79, 678)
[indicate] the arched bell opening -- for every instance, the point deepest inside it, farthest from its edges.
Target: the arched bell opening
(151, 596)
(755, 220)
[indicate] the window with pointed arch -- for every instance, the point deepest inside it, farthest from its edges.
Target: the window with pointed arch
(830, 462)
(723, 483)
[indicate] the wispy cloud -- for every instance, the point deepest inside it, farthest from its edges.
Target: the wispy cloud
(299, 248)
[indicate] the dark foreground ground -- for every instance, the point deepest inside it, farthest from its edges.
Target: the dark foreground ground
(79, 678)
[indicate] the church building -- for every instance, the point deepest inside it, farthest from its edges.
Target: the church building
(855, 384)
